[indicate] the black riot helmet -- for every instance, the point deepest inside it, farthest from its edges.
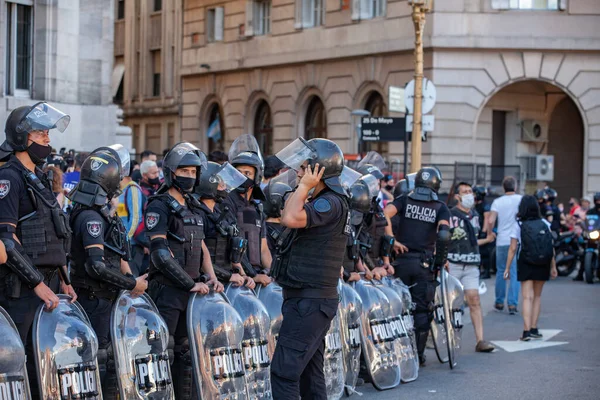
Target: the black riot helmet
(245, 151)
(405, 186)
(370, 169)
(427, 183)
(360, 197)
(372, 163)
(25, 119)
(100, 178)
(277, 191)
(217, 180)
(183, 154)
(541, 195)
(480, 193)
(596, 197)
(552, 194)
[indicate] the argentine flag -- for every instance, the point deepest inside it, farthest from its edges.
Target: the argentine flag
(214, 131)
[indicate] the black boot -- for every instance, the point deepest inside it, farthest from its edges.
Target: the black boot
(421, 343)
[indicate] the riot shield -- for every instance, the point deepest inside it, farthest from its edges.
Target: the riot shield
(272, 298)
(350, 322)
(255, 342)
(66, 347)
(140, 339)
(408, 307)
(377, 337)
(454, 301)
(14, 383)
(333, 362)
(373, 158)
(215, 331)
(438, 327)
(409, 364)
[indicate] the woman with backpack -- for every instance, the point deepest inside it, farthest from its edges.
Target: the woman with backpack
(531, 239)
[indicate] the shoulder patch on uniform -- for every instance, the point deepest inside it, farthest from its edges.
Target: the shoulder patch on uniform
(4, 188)
(152, 219)
(322, 205)
(94, 228)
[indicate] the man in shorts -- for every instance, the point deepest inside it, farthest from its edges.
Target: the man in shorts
(464, 257)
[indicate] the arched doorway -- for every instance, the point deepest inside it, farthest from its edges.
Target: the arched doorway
(315, 125)
(263, 128)
(215, 131)
(376, 106)
(524, 122)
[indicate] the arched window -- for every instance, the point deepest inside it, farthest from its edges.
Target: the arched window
(315, 125)
(376, 106)
(263, 128)
(215, 130)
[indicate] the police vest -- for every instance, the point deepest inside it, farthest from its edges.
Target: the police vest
(116, 248)
(274, 230)
(375, 224)
(44, 233)
(184, 237)
(417, 224)
(218, 244)
(311, 259)
(249, 222)
(351, 254)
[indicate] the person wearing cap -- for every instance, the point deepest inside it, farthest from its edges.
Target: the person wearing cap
(100, 250)
(178, 255)
(307, 266)
(29, 211)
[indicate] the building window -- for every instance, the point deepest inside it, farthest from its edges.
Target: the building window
(156, 70)
(367, 9)
(529, 4)
(310, 13)
(316, 120)
(262, 17)
(18, 49)
(120, 9)
(157, 5)
(215, 130)
(263, 128)
(214, 25)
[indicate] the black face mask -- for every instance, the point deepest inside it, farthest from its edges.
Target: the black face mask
(184, 183)
(221, 195)
(389, 188)
(243, 188)
(38, 153)
(154, 181)
(571, 203)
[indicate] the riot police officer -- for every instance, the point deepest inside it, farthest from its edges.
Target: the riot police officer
(360, 205)
(556, 213)
(244, 203)
(307, 266)
(100, 250)
(221, 234)
(178, 254)
(33, 227)
(421, 215)
(276, 191)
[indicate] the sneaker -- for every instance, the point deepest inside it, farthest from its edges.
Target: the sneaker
(535, 333)
(499, 307)
(422, 360)
(526, 336)
(512, 310)
(484, 347)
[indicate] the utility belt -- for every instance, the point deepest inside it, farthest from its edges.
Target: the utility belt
(311, 293)
(94, 289)
(14, 286)
(425, 257)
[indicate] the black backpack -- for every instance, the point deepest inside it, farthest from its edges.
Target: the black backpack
(536, 243)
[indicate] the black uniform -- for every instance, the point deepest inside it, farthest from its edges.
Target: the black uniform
(27, 201)
(308, 269)
(417, 230)
(375, 242)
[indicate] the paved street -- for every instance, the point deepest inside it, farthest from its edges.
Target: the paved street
(568, 371)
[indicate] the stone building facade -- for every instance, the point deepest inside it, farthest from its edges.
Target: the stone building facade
(62, 52)
(286, 68)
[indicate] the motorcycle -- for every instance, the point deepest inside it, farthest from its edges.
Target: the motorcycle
(569, 251)
(591, 236)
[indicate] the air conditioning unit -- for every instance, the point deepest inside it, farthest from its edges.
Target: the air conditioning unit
(533, 131)
(539, 168)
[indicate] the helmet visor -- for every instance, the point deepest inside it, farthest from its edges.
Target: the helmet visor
(410, 179)
(243, 144)
(373, 158)
(289, 177)
(296, 153)
(372, 183)
(229, 177)
(348, 177)
(185, 154)
(43, 117)
(124, 158)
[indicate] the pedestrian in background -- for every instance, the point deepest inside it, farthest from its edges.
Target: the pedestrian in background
(504, 209)
(273, 166)
(150, 178)
(536, 264)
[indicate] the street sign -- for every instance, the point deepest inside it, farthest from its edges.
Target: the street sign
(428, 122)
(384, 129)
(396, 99)
(429, 96)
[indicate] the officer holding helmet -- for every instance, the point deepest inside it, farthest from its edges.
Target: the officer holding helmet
(178, 254)
(245, 203)
(100, 250)
(29, 212)
(423, 220)
(307, 266)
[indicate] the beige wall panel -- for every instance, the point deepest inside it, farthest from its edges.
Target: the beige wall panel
(458, 94)
(475, 78)
(593, 118)
(585, 7)
(398, 9)
(449, 5)
(584, 81)
(532, 63)
(282, 12)
(492, 63)
(514, 64)
(594, 132)
(455, 111)
(338, 116)
(573, 63)
(283, 27)
(590, 99)
(550, 65)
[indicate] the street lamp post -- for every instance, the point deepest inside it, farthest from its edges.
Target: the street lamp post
(419, 8)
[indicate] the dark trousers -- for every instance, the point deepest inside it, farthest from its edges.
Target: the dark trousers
(297, 367)
(98, 311)
(172, 304)
(422, 289)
